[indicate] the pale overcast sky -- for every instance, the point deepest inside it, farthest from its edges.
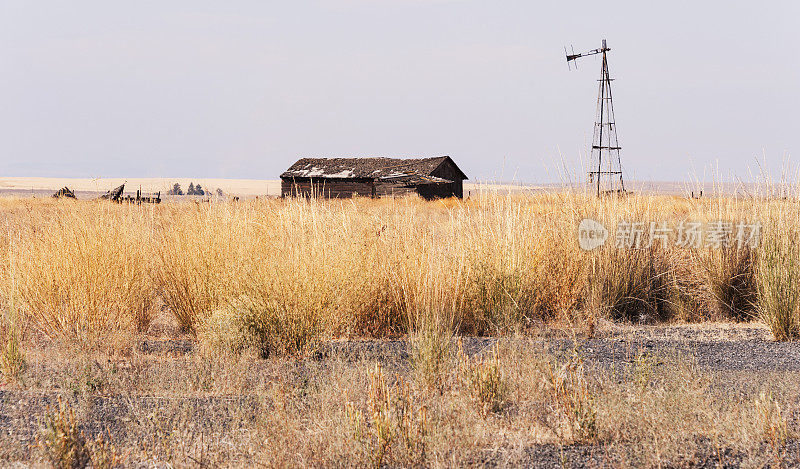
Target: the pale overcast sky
(242, 89)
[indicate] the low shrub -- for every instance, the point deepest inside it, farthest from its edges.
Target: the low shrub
(278, 325)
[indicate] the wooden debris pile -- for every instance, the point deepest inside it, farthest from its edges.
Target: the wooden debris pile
(117, 195)
(64, 192)
(114, 195)
(141, 198)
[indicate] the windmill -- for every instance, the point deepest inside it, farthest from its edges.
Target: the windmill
(605, 170)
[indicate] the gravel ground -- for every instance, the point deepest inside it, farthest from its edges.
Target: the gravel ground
(724, 350)
(741, 348)
(712, 356)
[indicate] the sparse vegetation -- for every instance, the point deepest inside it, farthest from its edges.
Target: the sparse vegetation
(486, 381)
(12, 359)
(772, 422)
(572, 402)
(394, 430)
(62, 440)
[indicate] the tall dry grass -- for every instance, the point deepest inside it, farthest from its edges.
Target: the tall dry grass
(80, 273)
(280, 275)
(778, 303)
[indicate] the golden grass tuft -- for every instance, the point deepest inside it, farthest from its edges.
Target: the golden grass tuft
(778, 276)
(83, 273)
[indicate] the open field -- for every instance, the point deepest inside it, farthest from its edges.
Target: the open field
(92, 187)
(400, 332)
(87, 188)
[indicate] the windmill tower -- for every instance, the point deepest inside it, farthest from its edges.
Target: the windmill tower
(605, 170)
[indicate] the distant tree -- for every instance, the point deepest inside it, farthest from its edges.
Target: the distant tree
(198, 190)
(190, 190)
(176, 190)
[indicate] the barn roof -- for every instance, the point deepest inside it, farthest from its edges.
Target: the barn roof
(410, 170)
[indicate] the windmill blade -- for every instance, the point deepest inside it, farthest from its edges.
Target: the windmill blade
(566, 54)
(573, 56)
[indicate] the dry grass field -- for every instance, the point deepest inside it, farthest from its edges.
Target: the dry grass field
(400, 332)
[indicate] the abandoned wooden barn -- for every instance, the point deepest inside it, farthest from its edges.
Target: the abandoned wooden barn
(431, 178)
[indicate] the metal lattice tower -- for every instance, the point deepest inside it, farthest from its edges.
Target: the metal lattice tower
(605, 170)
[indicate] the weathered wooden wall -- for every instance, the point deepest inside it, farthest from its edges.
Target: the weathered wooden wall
(329, 188)
(446, 170)
(384, 189)
(435, 191)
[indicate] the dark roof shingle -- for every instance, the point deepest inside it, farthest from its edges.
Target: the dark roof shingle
(377, 168)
